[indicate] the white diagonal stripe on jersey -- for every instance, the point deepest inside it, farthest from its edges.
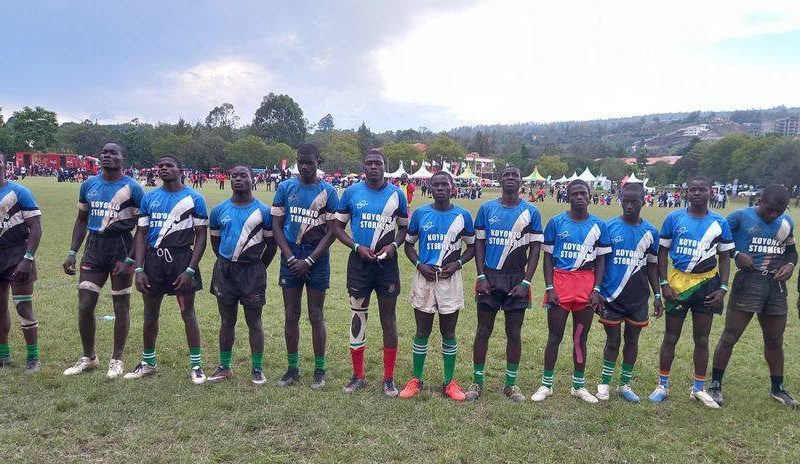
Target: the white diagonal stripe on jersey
(641, 249)
(392, 203)
(587, 252)
(512, 244)
(6, 204)
(455, 228)
(245, 240)
(783, 232)
(714, 230)
(121, 196)
(316, 205)
(184, 205)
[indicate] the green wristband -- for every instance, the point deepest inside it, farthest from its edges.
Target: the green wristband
(189, 271)
(525, 283)
(129, 261)
(138, 270)
(664, 282)
(72, 253)
(482, 277)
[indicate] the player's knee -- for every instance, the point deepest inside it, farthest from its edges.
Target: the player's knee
(612, 344)
(554, 337)
(188, 315)
(701, 341)
(483, 332)
(773, 343)
(670, 339)
(728, 338)
(89, 287)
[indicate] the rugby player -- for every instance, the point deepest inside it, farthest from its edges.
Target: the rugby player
(629, 268)
(108, 205)
(437, 287)
(169, 243)
(573, 243)
(303, 211)
(692, 238)
(378, 216)
(241, 234)
(20, 232)
(509, 234)
(766, 256)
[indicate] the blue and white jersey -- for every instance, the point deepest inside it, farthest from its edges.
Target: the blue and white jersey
(374, 214)
(575, 244)
(765, 242)
(241, 229)
(306, 209)
(16, 205)
(694, 242)
(508, 231)
(632, 247)
(172, 217)
(112, 206)
(440, 233)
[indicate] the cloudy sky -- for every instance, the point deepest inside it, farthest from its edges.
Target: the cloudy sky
(399, 64)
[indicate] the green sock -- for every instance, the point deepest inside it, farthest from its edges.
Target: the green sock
(256, 359)
(319, 363)
(608, 371)
(477, 374)
(418, 353)
(5, 350)
(33, 351)
(294, 360)
(578, 380)
(547, 379)
(511, 374)
(626, 374)
(194, 356)
(149, 357)
(225, 358)
(449, 351)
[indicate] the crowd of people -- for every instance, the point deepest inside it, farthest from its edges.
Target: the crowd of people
(617, 270)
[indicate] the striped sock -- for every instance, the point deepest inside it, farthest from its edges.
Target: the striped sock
(547, 379)
(511, 373)
(33, 351)
(194, 356)
(294, 360)
(699, 383)
(477, 373)
(225, 358)
(149, 357)
(626, 374)
(449, 351)
(319, 363)
(419, 351)
(663, 378)
(256, 359)
(5, 350)
(578, 380)
(608, 371)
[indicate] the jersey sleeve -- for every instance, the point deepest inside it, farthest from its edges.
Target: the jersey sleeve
(402, 210)
(535, 234)
(469, 229)
(603, 244)
(332, 204)
(279, 202)
(665, 239)
(144, 212)
(480, 224)
(343, 211)
(83, 202)
(413, 228)
(137, 193)
(214, 225)
(734, 221)
(652, 252)
(200, 214)
(266, 214)
(726, 238)
(549, 236)
(790, 238)
(28, 204)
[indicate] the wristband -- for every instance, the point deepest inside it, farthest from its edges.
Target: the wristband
(416, 264)
(724, 287)
(291, 259)
(735, 252)
(482, 277)
(72, 253)
(664, 282)
(138, 270)
(189, 271)
(525, 283)
(355, 247)
(309, 260)
(548, 287)
(657, 296)
(596, 289)
(395, 245)
(29, 255)
(129, 261)
(460, 263)
(791, 264)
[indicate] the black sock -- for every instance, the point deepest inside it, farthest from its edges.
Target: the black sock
(777, 383)
(716, 375)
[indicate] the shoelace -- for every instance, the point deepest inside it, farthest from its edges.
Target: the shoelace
(164, 253)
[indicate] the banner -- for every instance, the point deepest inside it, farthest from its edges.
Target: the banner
(456, 166)
(283, 164)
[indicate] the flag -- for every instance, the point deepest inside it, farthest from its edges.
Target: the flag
(624, 181)
(455, 168)
(413, 163)
(283, 164)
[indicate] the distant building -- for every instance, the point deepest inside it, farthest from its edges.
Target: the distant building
(653, 160)
(787, 126)
(482, 167)
(695, 131)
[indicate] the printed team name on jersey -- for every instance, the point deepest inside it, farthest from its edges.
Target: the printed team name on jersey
(158, 219)
(505, 237)
(690, 247)
(442, 242)
(305, 216)
(766, 245)
(574, 250)
(628, 257)
(105, 209)
(376, 221)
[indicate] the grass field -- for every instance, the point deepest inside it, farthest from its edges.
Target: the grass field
(51, 418)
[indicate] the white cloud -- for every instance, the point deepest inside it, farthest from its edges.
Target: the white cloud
(517, 60)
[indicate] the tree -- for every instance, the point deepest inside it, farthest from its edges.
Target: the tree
(614, 168)
(661, 173)
(551, 165)
(182, 128)
(716, 159)
(401, 151)
(279, 119)
(366, 139)
(86, 138)
(326, 123)
(444, 146)
(221, 120)
(408, 135)
(35, 128)
(480, 144)
(249, 150)
(342, 153)
(642, 155)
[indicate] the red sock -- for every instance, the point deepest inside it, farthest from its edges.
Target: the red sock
(357, 356)
(389, 357)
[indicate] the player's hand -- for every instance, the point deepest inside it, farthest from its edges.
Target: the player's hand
(448, 270)
(121, 268)
(668, 293)
(299, 267)
(784, 272)
(427, 271)
(519, 291)
(183, 282)
(69, 265)
(744, 261)
(596, 300)
(389, 250)
(658, 308)
(715, 298)
(552, 298)
(23, 270)
(365, 253)
(142, 282)
(483, 287)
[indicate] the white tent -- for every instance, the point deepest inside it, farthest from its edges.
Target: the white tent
(396, 174)
(561, 179)
(448, 172)
(632, 179)
(421, 173)
(587, 176)
(293, 171)
(573, 176)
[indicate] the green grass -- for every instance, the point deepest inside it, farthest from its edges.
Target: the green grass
(48, 417)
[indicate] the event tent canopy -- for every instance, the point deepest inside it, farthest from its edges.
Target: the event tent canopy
(396, 174)
(561, 179)
(534, 176)
(587, 176)
(421, 173)
(573, 176)
(467, 174)
(632, 179)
